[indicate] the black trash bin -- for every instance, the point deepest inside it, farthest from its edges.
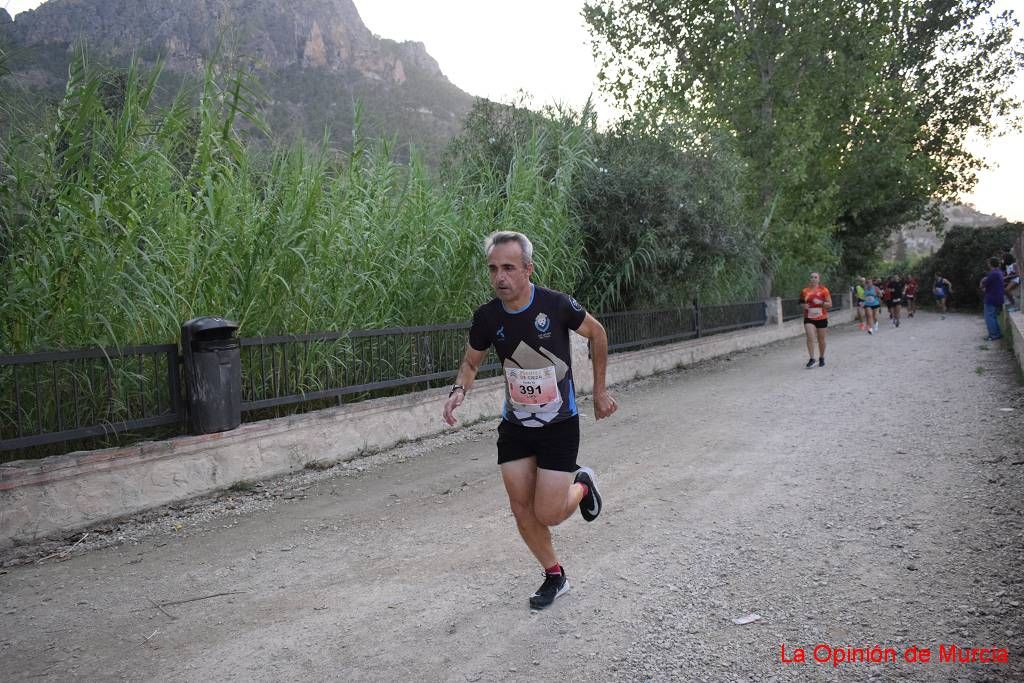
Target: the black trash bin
(213, 374)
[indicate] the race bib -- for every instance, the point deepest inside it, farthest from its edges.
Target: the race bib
(531, 388)
(813, 312)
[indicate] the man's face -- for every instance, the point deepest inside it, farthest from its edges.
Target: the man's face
(509, 277)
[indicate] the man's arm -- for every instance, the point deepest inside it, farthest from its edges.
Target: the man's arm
(604, 404)
(471, 362)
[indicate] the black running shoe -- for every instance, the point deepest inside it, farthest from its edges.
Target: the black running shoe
(554, 585)
(821, 362)
(590, 504)
(810, 363)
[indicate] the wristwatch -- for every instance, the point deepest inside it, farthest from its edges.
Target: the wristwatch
(457, 387)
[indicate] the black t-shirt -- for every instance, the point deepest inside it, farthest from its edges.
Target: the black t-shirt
(897, 290)
(534, 338)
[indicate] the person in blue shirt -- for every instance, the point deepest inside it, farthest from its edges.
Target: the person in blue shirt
(872, 302)
(941, 290)
(992, 285)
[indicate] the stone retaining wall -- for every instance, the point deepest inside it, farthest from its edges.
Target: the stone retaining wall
(60, 494)
(1014, 328)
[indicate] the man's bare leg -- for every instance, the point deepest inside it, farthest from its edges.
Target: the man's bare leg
(556, 497)
(539, 499)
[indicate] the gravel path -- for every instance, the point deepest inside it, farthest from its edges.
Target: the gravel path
(877, 501)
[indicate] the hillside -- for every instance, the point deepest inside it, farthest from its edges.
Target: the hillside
(315, 59)
(920, 239)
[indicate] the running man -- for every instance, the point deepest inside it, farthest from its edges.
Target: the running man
(816, 300)
(942, 288)
(539, 435)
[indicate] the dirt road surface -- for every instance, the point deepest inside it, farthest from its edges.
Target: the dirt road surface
(876, 501)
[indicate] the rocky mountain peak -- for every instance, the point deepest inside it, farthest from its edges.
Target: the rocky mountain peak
(314, 58)
(322, 34)
(5, 18)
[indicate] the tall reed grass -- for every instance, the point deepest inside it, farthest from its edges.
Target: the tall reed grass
(122, 219)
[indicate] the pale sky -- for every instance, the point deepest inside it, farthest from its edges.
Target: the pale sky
(541, 47)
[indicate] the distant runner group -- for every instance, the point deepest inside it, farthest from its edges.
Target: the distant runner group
(869, 295)
(895, 293)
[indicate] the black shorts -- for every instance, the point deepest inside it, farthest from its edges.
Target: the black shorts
(555, 446)
(820, 324)
(894, 302)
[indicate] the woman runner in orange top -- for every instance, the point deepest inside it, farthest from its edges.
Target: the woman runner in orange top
(816, 300)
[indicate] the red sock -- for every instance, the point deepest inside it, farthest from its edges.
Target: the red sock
(554, 569)
(586, 489)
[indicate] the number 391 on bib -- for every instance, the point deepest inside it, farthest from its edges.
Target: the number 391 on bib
(529, 388)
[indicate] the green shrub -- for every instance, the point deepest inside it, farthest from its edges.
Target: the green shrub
(661, 220)
(962, 260)
(663, 223)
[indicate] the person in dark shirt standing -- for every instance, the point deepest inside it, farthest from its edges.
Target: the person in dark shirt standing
(992, 285)
(538, 437)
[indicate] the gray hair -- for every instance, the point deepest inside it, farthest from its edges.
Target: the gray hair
(506, 236)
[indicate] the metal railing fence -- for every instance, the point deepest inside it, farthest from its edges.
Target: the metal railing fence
(638, 329)
(67, 395)
(642, 329)
(290, 369)
(791, 309)
(70, 396)
(730, 317)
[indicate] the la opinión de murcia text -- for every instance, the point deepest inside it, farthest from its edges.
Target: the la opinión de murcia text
(842, 655)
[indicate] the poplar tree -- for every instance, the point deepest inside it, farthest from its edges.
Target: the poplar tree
(851, 115)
